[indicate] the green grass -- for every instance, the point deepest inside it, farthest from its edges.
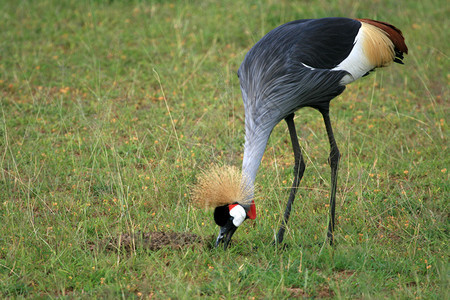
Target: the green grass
(109, 110)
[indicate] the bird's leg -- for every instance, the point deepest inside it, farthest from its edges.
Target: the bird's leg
(333, 160)
(299, 168)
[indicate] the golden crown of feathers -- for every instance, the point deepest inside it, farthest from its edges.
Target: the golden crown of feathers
(222, 185)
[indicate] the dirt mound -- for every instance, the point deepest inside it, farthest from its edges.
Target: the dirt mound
(153, 240)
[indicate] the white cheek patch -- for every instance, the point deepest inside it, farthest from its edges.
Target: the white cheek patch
(238, 213)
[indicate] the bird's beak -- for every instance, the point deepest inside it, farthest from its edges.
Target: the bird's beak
(225, 234)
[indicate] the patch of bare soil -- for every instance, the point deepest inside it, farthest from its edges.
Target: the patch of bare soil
(344, 274)
(297, 292)
(325, 292)
(153, 241)
(322, 292)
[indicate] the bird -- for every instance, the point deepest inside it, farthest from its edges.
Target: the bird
(303, 63)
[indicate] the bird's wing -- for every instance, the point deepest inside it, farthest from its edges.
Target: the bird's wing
(289, 48)
(322, 43)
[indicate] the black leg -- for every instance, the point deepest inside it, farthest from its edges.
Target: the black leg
(333, 160)
(299, 168)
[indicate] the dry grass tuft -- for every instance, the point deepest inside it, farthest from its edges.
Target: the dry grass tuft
(220, 186)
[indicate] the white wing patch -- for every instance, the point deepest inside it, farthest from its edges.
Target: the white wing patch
(309, 67)
(357, 63)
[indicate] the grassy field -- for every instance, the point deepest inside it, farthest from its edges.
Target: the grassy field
(110, 109)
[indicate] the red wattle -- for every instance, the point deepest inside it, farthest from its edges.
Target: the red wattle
(252, 212)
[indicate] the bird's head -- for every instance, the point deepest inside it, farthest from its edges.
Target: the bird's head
(229, 217)
(231, 194)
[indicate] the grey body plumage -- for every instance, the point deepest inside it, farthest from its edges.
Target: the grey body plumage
(274, 84)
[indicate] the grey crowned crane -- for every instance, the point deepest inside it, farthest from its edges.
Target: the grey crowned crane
(298, 64)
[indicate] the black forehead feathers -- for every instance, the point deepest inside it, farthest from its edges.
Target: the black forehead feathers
(221, 215)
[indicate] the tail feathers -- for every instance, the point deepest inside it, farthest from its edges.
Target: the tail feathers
(395, 36)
